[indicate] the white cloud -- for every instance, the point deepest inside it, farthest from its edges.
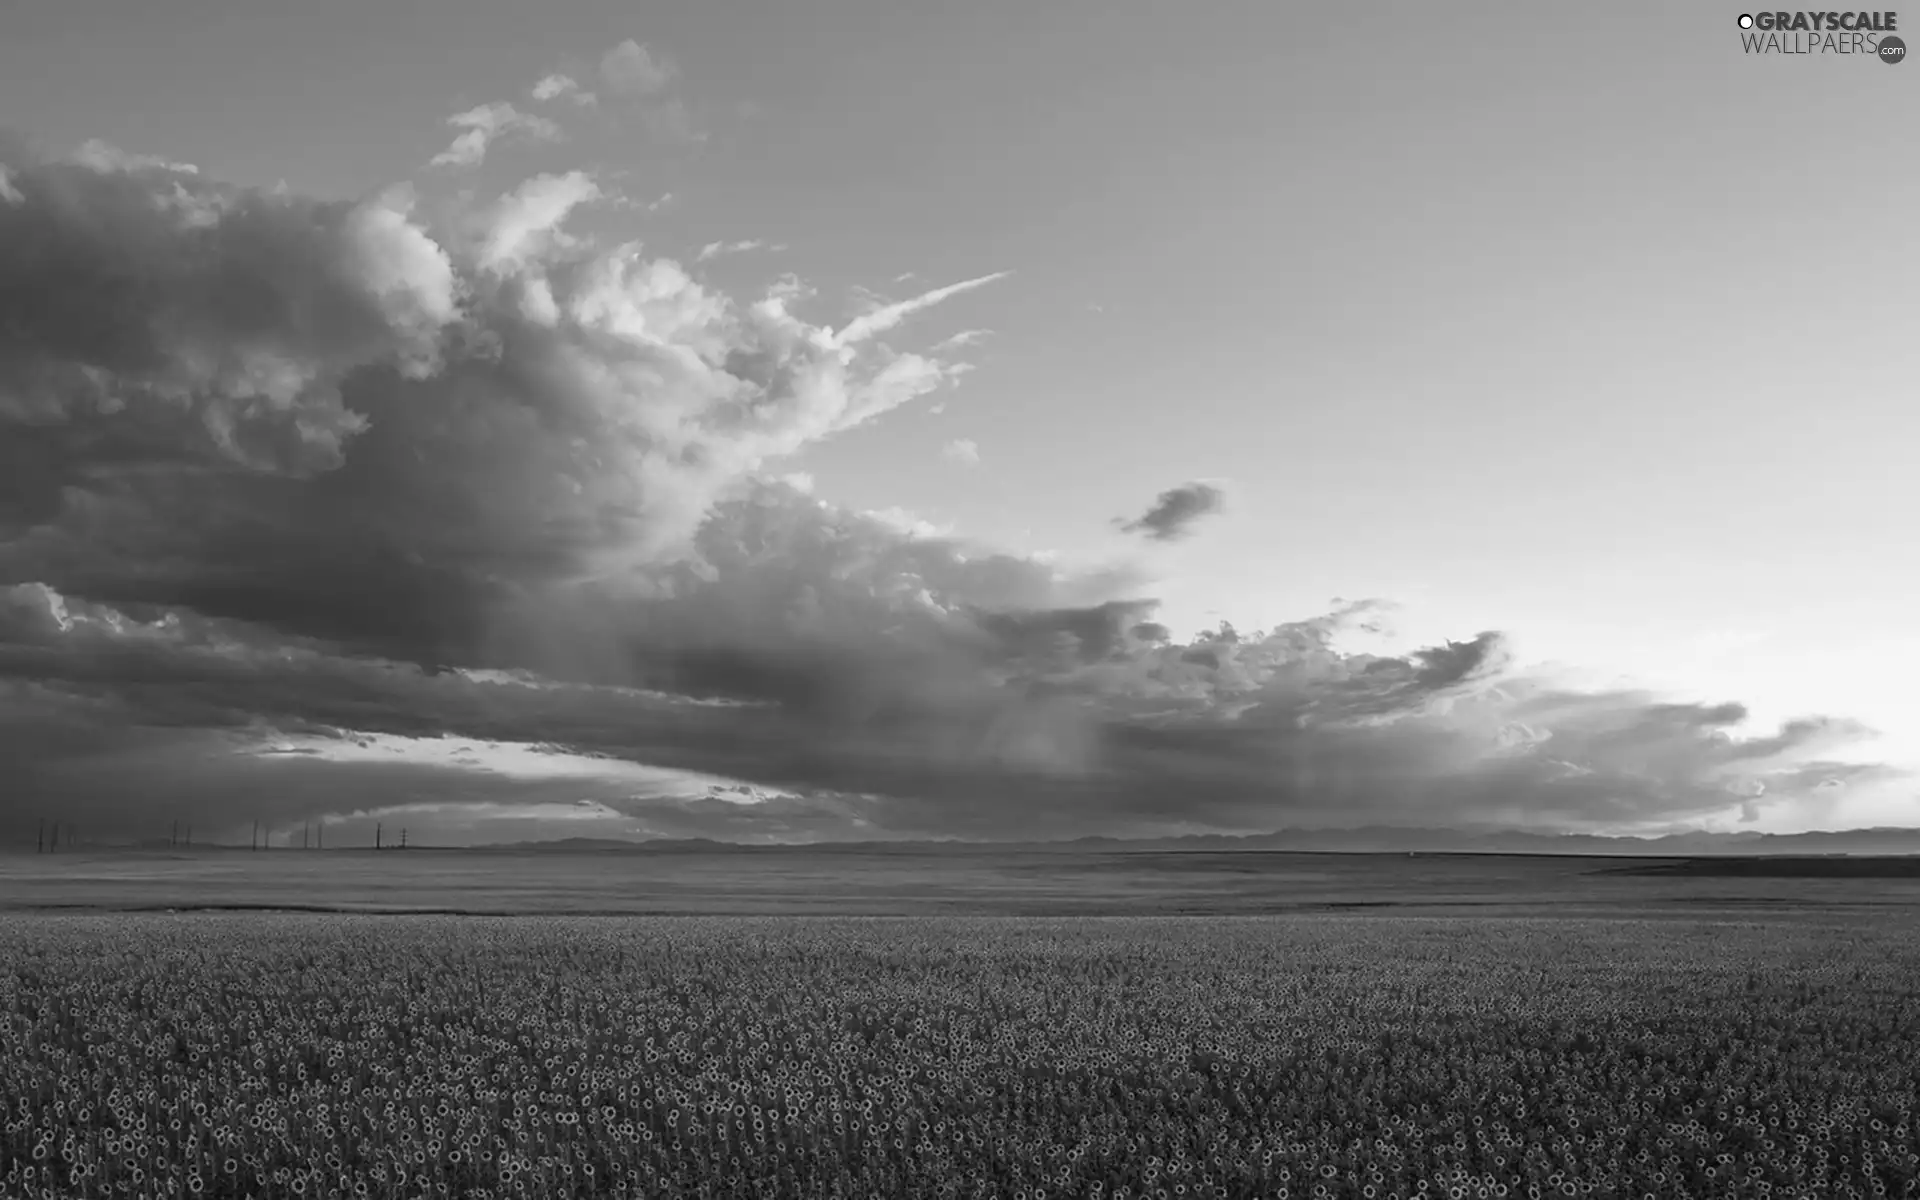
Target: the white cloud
(887, 316)
(713, 250)
(408, 271)
(106, 158)
(964, 451)
(903, 378)
(633, 69)
(517, 760)
(966, 337)
(9, 193)
(908, 523)
(483, 126)
(554, 86)
(526, 222)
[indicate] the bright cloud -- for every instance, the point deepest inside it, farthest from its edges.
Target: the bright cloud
(553, 87)
(489, 123)
(525, 224)
(713, 250)
(887, 316)
(966, 337)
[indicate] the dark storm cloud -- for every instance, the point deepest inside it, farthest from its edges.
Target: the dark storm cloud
(280, 474)
(185, 366)
(1175, 511)
(956, 730)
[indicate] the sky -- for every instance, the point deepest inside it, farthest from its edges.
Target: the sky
(895, 419)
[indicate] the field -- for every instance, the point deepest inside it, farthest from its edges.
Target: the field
(918, 881)
(1388, 1029)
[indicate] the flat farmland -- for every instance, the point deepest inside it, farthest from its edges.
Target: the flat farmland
(1375, 1056)
(921, 881)
(1026, 1024)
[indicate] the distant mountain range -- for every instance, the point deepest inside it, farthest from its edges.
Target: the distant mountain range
(1379, 839)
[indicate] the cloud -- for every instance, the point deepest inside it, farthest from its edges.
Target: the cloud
(522, 406)
(887, 316)
(525, 224)
(645, 79)
(1175, 511)
(966, 337)
(553, 87)
(900, 520)
(9, 193)
(157, 319)
(964, 451)
(672, 121)
(713, 250)
(633, 69)
(292, 491)
(483, 126)
(107, 159)
(887, 683)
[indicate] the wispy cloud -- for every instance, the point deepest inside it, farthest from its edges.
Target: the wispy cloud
(713, 250)
(108, 159)
(888, 316)
(964, 451)
(966, 337)
(481, 127)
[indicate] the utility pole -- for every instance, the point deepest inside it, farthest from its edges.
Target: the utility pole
(40, 838)
(376, 835)
(403, 837)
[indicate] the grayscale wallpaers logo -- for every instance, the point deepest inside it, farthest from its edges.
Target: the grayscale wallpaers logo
(1867, 34)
